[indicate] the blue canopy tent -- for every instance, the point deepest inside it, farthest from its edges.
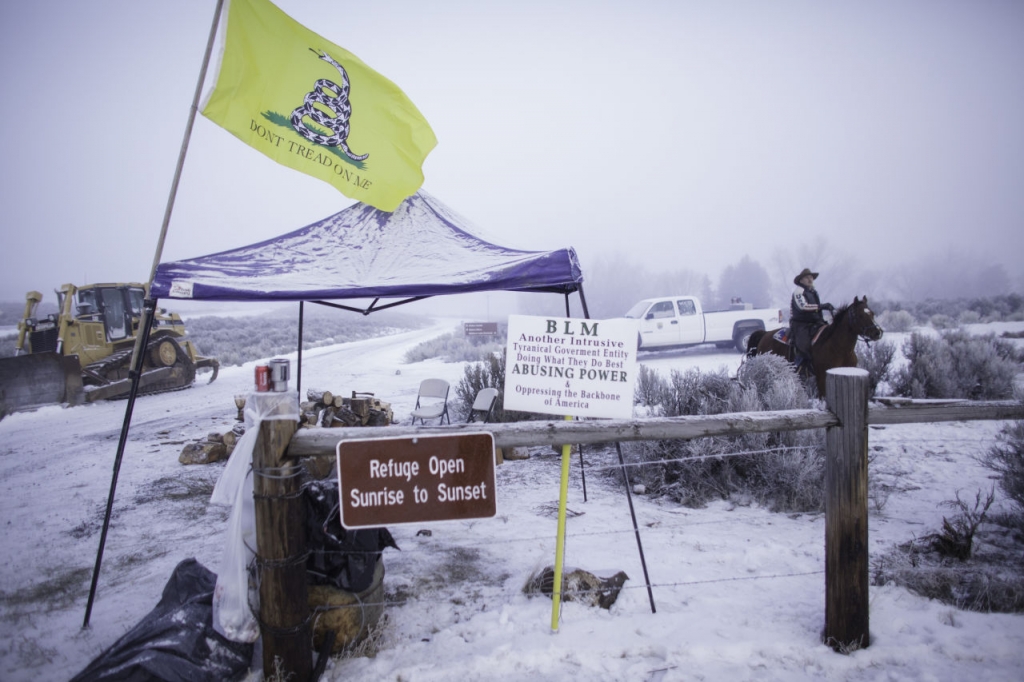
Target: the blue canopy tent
(423, 249)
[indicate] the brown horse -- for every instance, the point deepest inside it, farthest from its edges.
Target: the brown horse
(833, 347)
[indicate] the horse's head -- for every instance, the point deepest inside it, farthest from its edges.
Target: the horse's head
(862, 320)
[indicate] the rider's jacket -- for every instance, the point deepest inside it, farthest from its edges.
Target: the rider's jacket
(805, 307)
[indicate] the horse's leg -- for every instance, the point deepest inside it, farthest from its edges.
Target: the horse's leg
(754, 343)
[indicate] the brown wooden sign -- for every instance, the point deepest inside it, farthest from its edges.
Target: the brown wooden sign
(413, 480)
(480, 328)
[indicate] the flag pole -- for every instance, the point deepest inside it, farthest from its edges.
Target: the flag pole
(148, 311)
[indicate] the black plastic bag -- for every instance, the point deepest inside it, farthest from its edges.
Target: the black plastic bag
(337, 556)
(176, 640)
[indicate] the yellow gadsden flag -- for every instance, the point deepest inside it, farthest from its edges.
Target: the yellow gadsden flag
(316, 107)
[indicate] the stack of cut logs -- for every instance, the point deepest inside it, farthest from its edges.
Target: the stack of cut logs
(324, 408)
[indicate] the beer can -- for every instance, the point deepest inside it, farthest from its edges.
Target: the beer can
(262, 378)
(280, 372)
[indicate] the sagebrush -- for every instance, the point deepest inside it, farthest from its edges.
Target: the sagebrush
(956, 364)
(876, 358)
(782, 470)
(237, 340)
(1006, 458)
(490, 373)
(457, 347)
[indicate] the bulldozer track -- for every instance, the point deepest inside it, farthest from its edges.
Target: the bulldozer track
(115, 367)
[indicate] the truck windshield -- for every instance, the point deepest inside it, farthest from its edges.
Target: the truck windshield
(637, 311)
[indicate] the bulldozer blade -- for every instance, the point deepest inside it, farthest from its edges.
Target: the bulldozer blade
(29, 381)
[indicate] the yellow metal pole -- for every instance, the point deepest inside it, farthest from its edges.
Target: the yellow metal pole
(556, 589)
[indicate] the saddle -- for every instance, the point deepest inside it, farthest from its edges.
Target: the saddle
(785, 336)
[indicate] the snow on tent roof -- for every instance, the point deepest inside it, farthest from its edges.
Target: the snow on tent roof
(422, 249)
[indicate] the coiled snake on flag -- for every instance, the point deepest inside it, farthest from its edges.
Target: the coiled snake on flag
(337, 103)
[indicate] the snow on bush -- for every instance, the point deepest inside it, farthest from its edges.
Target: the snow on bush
(783, 471)
(957, 364)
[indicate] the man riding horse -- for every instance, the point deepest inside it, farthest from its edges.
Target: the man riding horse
(805, 318)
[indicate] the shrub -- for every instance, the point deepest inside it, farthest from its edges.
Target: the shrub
(237, 340)
(957, 536)
(649, 388)
(1006, 458)
(455, 347)
(784, 471)
(957, 365)
(490, 373)
(876, 358)
(969, 317)
(896, 321)
(941, 321)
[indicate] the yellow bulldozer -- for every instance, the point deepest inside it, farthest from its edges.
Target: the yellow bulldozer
(83, 352)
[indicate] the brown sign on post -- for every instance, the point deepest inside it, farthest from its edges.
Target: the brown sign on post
(412, 480)
(480, 328)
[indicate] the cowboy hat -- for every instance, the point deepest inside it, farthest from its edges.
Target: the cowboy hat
(804, 273)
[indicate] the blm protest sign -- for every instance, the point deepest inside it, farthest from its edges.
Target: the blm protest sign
(567, 366)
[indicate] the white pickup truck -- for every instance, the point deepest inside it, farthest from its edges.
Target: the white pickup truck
(680, 321)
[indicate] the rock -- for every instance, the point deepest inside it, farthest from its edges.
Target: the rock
(639, 489)
(515, 453)
(580, 586)
(203, 453)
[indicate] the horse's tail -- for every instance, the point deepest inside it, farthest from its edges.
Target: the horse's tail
(753, 341)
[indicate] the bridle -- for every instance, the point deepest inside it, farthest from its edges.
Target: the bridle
(868, 332)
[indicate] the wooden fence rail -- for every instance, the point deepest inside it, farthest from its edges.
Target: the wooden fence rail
(322, 442)
(846, 505)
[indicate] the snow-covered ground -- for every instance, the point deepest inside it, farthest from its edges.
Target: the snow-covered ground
(739, 591)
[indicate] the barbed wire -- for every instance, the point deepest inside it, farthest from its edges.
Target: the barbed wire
(363, 603)
(699, 458)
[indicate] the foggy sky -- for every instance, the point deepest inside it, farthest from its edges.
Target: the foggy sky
(683, 134)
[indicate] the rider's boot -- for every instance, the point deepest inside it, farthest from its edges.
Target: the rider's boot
(802, 363)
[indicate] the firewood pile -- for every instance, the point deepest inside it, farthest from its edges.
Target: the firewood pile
(327, 409)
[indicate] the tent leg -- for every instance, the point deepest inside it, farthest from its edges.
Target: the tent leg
(149, 308)
(298, 369)
(586, 315)
(636, 531)
(583, 302)
(583, 473)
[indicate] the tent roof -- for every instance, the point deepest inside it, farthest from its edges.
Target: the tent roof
(422, 249)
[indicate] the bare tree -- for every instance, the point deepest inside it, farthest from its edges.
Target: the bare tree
(747, 280)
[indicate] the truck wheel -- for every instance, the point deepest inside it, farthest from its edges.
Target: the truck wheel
(743, 338)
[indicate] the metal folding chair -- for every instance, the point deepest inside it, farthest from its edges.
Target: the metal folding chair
(483, 404)
(436, 392)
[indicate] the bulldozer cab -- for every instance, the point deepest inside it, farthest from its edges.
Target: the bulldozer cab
(119, 307)
(93, 321)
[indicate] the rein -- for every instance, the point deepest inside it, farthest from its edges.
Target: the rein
(862, 333)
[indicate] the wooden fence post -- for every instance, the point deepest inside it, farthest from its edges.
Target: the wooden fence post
(846, 511)
(281, 551)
